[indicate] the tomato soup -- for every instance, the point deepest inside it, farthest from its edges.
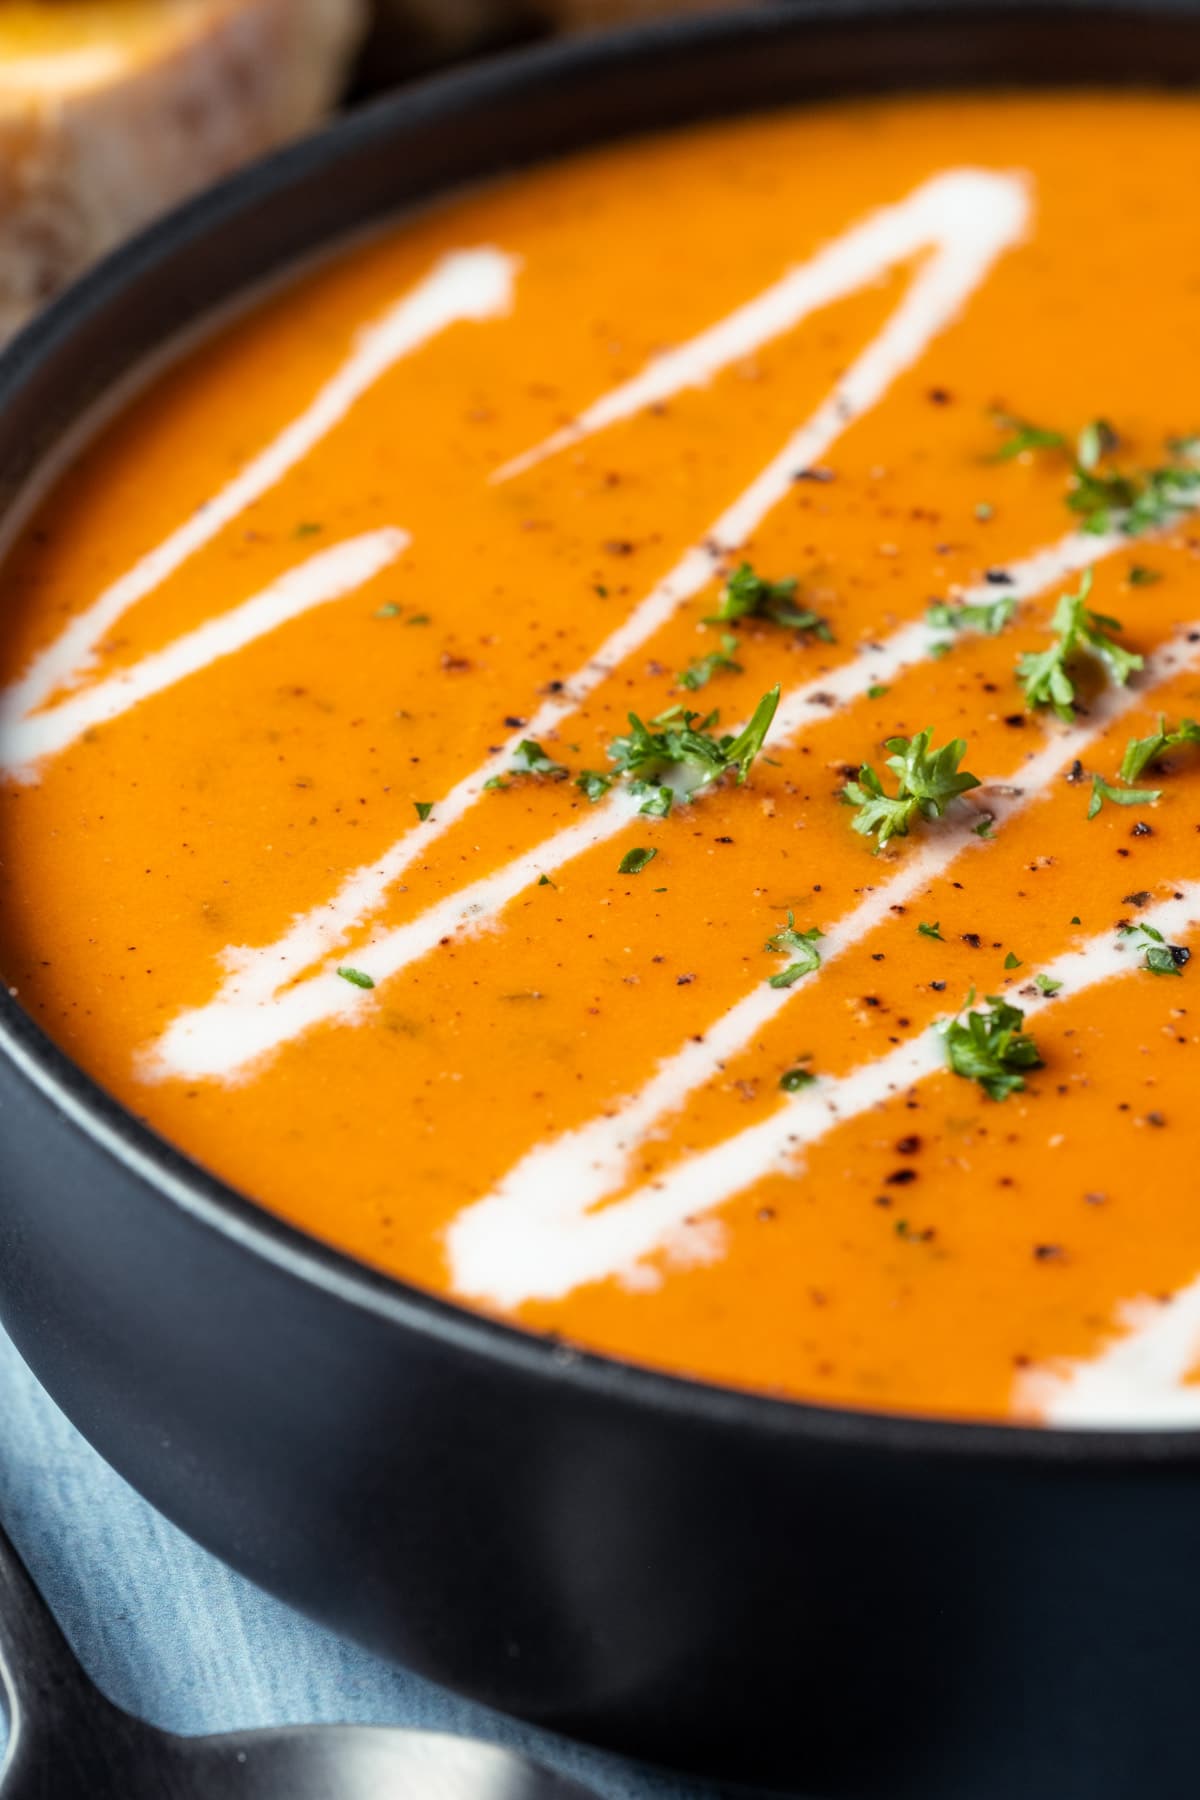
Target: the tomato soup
(624, 753)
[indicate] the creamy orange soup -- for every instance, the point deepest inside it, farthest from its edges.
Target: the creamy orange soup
(328, 847)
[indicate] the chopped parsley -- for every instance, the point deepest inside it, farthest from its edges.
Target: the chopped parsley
(928, 781)
(1044, 674)
(701, 669)
(689, 748)
(530, 759)
(594, 785)
(1046, 984)
(544, 881)
(989, 1046)
(1139, 575)
(424, 808)
(931, 931)
(1130, 796)
(1022, 437)
(307, 528)
(1141, 752)
(792, 1080)
(747, 595)
(1011, 961)
(656, 800)
(801, 946)
(987, 616)
(877, 690)
(634, 861)
(1107, 498)
(984, 827)
(1158, 956)
(389, 610)
(357, 978)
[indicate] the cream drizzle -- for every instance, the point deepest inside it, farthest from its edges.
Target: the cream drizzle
(1138, 1381)
(468, 284)
(969, 217)
(327, 576)
(541, 1246)
(250, 1016)
(969, 214)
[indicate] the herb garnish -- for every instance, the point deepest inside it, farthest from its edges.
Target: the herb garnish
(594, 785)
(931, 931)
(424, 808)
(1110, 499)
(990, 1047)
(689, 748)
(792, 1080)
(1043, 674)
(701, 669)
(530, 759)
(747, 595)
(1046, 984)
(1130, 796)
(1023, 436)
(1141, 752)
(987, 616)
(634, 861)
(800, 944)
(1012, 961)
(1159, 957)
(357, 978)
(928, 781)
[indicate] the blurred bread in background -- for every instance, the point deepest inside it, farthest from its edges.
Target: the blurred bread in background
(110, 112)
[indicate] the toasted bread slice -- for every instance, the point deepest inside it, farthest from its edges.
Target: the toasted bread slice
(110, 112)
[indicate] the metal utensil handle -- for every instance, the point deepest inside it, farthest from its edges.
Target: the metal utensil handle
(44, 1692)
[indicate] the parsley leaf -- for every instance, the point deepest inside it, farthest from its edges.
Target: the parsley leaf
(424, 808)
(747, 595)
(1141, 752)
(989, 1046)
(689, 748)
(1103, 790)
(801, 944)
(701, 669)
(530, 759)
(1158, 956)
(1023, 436)
(987, 616)
(594, 785)
(792, 1080)
(1044, 674)
(1107, 498)
(1012, 961)
(357, 978)
(931, 931)
(1046, 984)
(634, 861)
(928, 781)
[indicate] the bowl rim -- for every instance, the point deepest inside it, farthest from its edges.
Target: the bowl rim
(173, 1177)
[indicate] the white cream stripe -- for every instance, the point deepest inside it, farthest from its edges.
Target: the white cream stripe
(938, 212)
(253, 1012)
(595, 1160)
(469, 284)
(322, 578)
(1139, 1381)
(542, 1247)
(978, 215)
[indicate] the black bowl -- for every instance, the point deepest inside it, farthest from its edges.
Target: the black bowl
(860, 1604)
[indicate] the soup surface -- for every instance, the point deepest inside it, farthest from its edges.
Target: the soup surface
(329, 848)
